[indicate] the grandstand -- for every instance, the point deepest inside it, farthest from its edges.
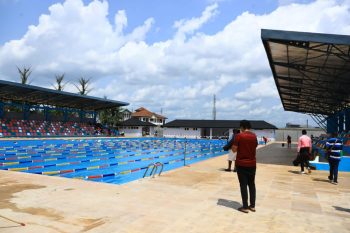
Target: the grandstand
(312, 75)
(31, 111)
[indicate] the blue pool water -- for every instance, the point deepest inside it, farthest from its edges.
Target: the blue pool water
(104, 160)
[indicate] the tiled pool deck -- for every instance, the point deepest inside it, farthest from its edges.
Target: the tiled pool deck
(199, 198)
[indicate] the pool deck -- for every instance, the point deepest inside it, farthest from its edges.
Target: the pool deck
(198, 198)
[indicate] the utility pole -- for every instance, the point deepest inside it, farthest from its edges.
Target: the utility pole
(214, 108)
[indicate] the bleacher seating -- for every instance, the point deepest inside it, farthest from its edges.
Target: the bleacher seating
(320, 142)
(32, 128)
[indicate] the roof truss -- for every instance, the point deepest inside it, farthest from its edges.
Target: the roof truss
(311, 71)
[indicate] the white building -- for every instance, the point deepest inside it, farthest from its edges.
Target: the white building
(126, 114)
(147, 116)
(215, 129)
(295, 133)
(136, 128)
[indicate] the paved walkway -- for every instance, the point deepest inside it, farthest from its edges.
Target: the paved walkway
(199, 198)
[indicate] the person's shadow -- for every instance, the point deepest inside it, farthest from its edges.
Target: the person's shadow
(294, 172)
(228, 203)
(321, 180)
(9, 226)
(341, 209)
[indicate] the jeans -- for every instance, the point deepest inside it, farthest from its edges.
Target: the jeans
(246, 177)
(333, 169)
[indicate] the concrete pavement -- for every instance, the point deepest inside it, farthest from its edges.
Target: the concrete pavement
(199, 198)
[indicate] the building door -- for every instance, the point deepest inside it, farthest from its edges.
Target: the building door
(205, 132)
(145, 131)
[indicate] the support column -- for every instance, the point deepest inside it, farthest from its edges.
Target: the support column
(211, 133)
(65, 115)
(25, 110)
(81, 114)
(46, 113)
(332, 123)
(341, 122)
(347, 120)
(1, 110)
(95, 115)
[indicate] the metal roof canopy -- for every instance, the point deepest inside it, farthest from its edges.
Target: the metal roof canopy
(311, 70)
(135, 122)
(10, 91)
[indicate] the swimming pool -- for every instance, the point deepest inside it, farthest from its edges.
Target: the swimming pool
(104, 160)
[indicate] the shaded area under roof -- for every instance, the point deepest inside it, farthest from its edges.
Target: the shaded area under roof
(135, 122)
(233, 124)
(311, 70)
(10, 91)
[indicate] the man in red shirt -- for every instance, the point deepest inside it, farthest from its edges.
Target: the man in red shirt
(245, 144)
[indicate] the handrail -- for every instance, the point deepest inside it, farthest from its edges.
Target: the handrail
(157, 164)
(151, 164)
(154, 169)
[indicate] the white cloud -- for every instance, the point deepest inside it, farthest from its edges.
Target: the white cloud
(179, 74)
(265, 87)
(120, 21)
(190, 26)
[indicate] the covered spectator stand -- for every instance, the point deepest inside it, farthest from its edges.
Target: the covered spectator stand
(312, 75)
(37, 104)
(24, 98)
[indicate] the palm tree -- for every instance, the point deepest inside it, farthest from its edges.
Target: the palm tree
(59, 82)
(24, 74)
(83, 83)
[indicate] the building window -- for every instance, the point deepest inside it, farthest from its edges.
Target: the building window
(187, 128)
(194, 128)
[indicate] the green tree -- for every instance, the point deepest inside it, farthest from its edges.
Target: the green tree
(111, 116)
(83, 87)
(24, 74)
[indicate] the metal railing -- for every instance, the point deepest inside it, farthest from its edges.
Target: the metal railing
(154, 169)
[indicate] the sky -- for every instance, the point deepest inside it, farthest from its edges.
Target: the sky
(170, 57)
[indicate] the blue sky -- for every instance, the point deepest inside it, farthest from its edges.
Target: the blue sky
(17, 15)
(162, 54)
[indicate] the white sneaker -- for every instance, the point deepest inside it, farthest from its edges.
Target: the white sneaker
(302, 172)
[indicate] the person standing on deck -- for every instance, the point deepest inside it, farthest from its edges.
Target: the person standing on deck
(245, 144)
(335, 148)
(265, 139)
(231, 156)
(289, 141)
(304, 150)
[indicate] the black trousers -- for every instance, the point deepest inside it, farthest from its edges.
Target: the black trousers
(333, 169)
(304, 158)
(246, 177)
